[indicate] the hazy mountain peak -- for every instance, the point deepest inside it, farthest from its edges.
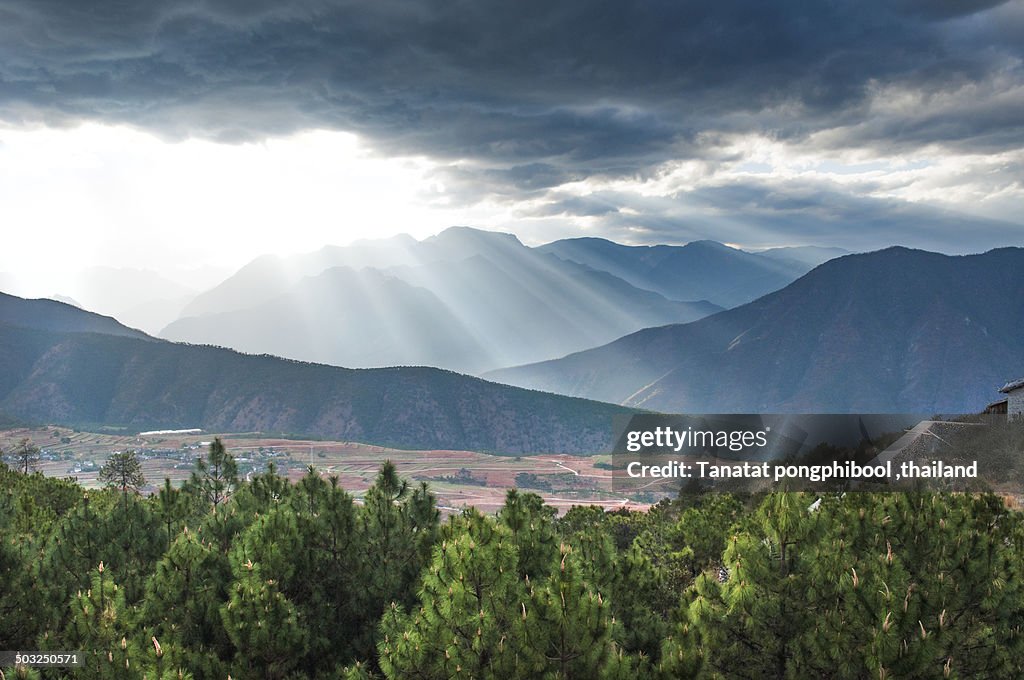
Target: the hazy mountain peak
(65, 299)
(54, 315)
(465, 299)
(710, 244)
(699, 270)
(895, 330)
(472, 235)
(808, 255)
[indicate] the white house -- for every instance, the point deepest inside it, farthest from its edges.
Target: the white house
(1014, 401)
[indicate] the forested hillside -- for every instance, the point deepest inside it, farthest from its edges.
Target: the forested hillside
(99, 379)
(262, 579)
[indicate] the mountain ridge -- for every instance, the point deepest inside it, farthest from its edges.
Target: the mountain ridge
(90, 378)
(699, 270)
(895, 330)
(56, 315)
(496, 301)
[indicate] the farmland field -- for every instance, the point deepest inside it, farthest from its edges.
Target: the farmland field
(458, 478)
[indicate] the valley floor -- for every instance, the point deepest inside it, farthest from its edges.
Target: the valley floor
(458, 478)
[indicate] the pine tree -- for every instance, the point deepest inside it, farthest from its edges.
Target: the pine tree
(571, 626)
(263, 625)
(471, 614)
(182, 603)
(597, 556)
(123, 472)
(78, 543)
(639, 604)
(26, 454)
(926, 585)
(393, 539)
(386, 533)
(21, 595)
(533, 532)
(900, 585)
(135, 544)
(224, 525)
(172, 507)
(265, 492)
(331, 559)
(37, 501)
(215, 478)
(214, 482)
(398, 529)
(423, 518)
(698, 537)
(747, 626)
(274, 542)
(100, 628)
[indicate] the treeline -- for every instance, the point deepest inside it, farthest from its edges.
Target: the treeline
(266, 579)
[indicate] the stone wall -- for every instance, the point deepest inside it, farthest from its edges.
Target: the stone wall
(1015, 403)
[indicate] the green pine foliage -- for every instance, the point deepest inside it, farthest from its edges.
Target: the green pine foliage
(183, 600)
(533, 532)
(331, 548)
(172, 509)
(471, 614)
(397, 528)
(215, 477)
(21, 596)
(571, 634)
(99, 626)
(123, 472)
(867, 585)
(265, 628)
(268, 579)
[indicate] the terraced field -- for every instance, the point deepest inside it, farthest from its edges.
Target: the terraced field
(458, 478)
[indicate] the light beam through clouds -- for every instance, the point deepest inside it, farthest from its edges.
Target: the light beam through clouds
(176, 134)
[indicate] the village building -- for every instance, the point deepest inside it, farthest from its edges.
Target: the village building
(1013, 404)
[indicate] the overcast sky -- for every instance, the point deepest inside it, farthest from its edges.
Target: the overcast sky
(174, 135)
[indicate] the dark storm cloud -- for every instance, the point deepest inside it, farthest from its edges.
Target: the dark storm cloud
(576, 206)
(596, 82)
(518, 181)
(518, 98)
(766, 213)
(944, 9)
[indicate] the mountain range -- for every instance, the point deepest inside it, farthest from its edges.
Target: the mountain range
(896, 330)
(466, 300)
(60, 364)
(701, 270)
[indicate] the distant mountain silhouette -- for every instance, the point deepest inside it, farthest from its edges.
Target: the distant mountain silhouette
(896, 330)
(56, 297)
(701, 270)
(809, 256)
(466, 300)
(51, 372)
(344, 317)
(53, 315)
(140, 298)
